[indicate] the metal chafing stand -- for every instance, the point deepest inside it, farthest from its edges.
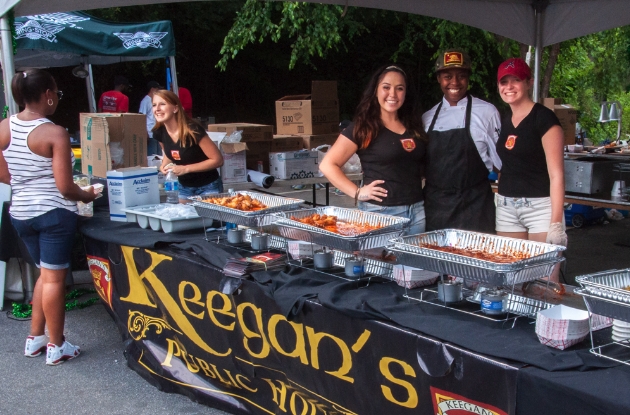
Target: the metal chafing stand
(541, 262)
(607, 294)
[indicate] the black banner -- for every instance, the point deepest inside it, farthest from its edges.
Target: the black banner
(239, 353)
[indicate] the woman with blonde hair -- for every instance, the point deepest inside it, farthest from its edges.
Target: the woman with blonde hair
(188, 151)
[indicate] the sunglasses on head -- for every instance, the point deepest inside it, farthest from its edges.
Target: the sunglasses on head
(59, 94)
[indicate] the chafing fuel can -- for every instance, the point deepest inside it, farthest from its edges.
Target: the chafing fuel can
(493, 302)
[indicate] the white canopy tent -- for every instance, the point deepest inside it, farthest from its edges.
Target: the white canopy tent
(534, 22)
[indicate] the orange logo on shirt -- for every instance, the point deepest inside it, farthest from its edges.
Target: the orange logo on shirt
(175, 154)
(408, 144)
(511, 140)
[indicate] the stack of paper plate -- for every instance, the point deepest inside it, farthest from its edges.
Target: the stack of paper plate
(620, 331)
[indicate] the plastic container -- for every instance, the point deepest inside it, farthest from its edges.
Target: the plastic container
(171, 187)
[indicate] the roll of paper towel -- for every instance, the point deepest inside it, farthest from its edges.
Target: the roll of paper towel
(260, 179)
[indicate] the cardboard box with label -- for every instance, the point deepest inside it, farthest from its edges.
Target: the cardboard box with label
(567, 116)
(314, 113)
(129, 187)
(234, 169)
(111, 141)
(251, 132)
(294, 164)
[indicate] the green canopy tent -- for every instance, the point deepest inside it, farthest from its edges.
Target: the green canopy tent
(78, 39)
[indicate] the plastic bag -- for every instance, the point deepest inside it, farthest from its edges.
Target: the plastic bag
(353, 165)
(117, 153)
(235, 137)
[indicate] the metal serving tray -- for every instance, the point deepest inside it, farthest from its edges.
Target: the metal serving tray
(392, 226)
(257, 218)
(608, 284)
(604, 306)
(542, 262)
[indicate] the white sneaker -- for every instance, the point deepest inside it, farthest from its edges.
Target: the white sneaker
(35, 345)
(57, 355)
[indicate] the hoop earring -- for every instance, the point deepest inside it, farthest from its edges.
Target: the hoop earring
(50, 102)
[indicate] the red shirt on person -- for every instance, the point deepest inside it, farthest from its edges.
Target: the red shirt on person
(186, 99)
(113, 101)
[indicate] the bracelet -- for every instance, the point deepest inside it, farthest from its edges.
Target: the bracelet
(356, 196)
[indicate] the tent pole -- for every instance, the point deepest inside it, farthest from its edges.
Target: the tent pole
(171, 64)
(539, 7)
(8, 67)
(89, 83)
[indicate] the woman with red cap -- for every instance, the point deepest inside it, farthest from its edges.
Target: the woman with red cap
(530, 201)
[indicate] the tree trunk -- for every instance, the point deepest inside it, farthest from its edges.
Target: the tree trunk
(554, 51)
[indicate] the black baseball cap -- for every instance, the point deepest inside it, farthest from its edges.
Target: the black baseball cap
(154, 84)
(121, 80)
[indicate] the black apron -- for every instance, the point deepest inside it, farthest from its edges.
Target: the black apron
(457, 193)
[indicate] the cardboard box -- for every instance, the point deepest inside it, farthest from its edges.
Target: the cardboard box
(313, 141)
(294, 164)
(286, 143)
(258, 151)
(234, 168)
(314, 113)
(129, 187)
(112, 141)
(568, 117)
(156, 161)
(251, 132)
(552, 102)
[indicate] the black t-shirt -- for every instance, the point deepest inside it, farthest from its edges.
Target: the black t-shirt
(183, 156)
(524, 172)
(396, 158)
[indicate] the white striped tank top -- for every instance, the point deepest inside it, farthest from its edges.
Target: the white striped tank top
(33, 188)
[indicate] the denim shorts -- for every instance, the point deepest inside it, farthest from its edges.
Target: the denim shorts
(523, 214)
(49, 237)
(413, 212)
(214, 187)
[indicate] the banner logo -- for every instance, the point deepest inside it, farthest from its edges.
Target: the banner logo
(99, 268)
(52, 23)
(141, 40)
(453, 58)
(447, 403)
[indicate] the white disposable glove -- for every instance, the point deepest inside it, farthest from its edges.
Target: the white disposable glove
(556, 234)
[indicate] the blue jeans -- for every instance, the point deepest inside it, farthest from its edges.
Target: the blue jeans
(413, 212)
(215, 187)
(49, 237)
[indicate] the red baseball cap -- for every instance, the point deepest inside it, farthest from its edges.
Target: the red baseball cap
(516, 67)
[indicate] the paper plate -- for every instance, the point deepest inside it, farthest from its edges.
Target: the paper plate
(620, 339)
(621, 323)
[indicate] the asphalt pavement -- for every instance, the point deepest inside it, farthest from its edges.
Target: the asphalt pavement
(99, 381)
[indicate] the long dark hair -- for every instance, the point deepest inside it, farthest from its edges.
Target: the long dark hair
(28, 86)
(184, 124)
(367, 120)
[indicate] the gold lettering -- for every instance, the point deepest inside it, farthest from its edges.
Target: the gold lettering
(346, 365)
(279, 393)
(412, 400)
(172, 350)
(300, 343)
(195, 299)
(250, 334)
(229, 375)
(206, 369)
(190, 363)
(240, 378)
(361, 341)
(224, 310)
(293, 406)
(137, 292)
(167, 300)
(216, 371)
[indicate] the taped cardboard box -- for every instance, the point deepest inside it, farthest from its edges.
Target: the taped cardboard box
(129, 187)
(314, 113)
(234, 169)
(567, 116)
(294, 164)
(112, 141)
(251, 132)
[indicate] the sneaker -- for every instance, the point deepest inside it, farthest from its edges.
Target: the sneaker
(35, 345)
(57, 355)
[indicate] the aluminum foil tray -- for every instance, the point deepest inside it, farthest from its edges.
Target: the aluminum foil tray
(393, 226)
(608, 284)
(258, 218)
(604, 307)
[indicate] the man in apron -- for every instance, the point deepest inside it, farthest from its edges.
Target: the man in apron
(463, 132)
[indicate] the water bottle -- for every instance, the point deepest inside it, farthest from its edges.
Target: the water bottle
(171, 186)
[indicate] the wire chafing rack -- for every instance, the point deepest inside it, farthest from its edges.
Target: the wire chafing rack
(539, 260)
(608, 294)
